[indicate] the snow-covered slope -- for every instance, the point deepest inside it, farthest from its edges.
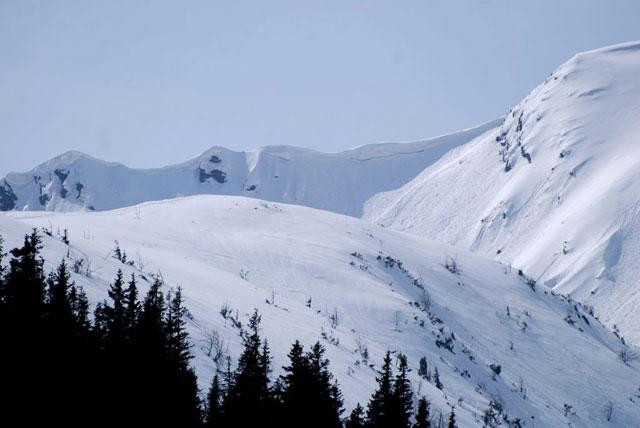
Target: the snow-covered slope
(300, 266)
(339, 182)
(555, 190)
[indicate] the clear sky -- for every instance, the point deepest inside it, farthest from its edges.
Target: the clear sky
(149, 83)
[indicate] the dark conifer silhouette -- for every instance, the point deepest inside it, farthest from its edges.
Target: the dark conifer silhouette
(181, 382)
(452, 419)
(436, 379)
(356, 418)
(250, 387)
(309, 392)
(422, 415)
(379, 411)
(110, 317)
(214, 404)
(24, 286)
(402, 395)
(131, 308)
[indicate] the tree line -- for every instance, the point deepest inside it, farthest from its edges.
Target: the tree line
(130, 363)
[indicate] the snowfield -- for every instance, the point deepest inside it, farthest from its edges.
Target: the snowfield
(316, 275)
(554, 190)
(338, 182)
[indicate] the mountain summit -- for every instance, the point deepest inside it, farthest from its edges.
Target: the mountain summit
(554, 190)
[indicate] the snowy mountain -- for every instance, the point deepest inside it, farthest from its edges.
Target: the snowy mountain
(554, 190)
(339, 182)
(493, 334)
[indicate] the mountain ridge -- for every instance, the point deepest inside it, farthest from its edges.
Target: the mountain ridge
(552, 191)
(339, 182)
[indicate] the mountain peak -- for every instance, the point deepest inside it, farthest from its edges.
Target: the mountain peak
(552, 191)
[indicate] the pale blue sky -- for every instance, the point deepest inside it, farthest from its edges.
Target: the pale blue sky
(154, 82)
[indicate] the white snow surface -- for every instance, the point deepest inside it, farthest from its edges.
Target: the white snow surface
(569, 217)
(339, 182)
(243, 252)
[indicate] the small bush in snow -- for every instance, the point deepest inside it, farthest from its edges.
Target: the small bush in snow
(496, 369)
(83, 267)
(627, 355)
(215, 346)
(334, 318)
(608, 410)
(452, 265)
(362, 349)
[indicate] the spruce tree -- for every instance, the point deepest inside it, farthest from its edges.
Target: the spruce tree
(436, 379)
(423, 370)
(177, 337)
(59, 310)
(68, 337)
(111, 316)
(422, 415)
(295, 382)
(380, 408)
(452, 419)
(309, 392)
(80, 311)
(328, 398)
(2, 268)
(149, 374)
(24, 287)
(356, 418)
(151, 334)
(131, 307)
(181, 385)
(250, 388)
(214, 404)
(402, 395)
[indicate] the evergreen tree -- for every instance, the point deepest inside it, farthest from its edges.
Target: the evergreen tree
(177, 337)
(295, 382)
(60, 315)
(67, 337)
(356, 418)
(436, 379)
(402, 395)
(452, 419)
(423, 369)
(80, 311)
(309, 392)
(2, 268)
(422, 415)
(214, 404)
(149, 375)
(111, 317)
(151, 332)
(228, 379)
(181, 384)
(380, 408)
(329, 406)
(131, 307)
(24, 286)
(250, 389)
